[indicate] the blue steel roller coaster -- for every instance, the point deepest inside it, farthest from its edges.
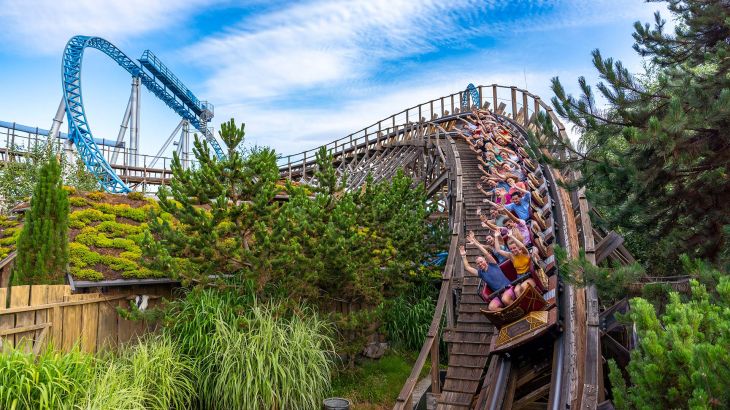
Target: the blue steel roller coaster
(162, 83)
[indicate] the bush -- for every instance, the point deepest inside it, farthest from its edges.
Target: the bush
(78, 201)
(52, 380)
(96, 195)
(682, 359)
(135, 196)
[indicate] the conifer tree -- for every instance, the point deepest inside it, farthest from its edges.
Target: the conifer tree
(682, 359)
(656, 160)
(43, 243)
(225, 209)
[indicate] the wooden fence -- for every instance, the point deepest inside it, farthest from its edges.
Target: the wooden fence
(33, 316)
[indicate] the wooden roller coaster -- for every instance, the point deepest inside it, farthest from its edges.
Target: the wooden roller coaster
(543, 350)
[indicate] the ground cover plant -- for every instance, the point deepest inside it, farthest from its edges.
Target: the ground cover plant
(105, 236)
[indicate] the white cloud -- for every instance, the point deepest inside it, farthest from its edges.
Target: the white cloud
(44, 26)
(322, 43)
(292, 130)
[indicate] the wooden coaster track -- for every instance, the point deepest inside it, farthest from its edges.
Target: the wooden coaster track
(565, 371)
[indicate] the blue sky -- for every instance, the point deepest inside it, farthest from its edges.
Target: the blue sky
(302, 73)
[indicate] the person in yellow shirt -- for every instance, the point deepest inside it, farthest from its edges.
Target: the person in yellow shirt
(520, 256)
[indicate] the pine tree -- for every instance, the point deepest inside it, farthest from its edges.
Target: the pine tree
(682, 359)
(43, 244)
(656, 160)
(224, 212)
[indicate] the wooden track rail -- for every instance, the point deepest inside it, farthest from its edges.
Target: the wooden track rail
(418, 141)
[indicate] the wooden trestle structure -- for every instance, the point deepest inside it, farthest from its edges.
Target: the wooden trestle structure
(564, 371)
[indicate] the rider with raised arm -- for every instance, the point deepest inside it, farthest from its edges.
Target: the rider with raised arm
(488, 270)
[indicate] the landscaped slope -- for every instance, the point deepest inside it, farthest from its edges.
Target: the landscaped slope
(105, 235)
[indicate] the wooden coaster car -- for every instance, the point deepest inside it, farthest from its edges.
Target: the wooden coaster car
(531, 315)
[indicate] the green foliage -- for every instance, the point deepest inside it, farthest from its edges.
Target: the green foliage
(235, 236)
(77, 201)
(136, 196)
(406, 321)
(52, 380)
(81, 218)
(18, 178)
(655, 162)
(612, 283)
(96, 195)
(152, 374)
(682, 359)
(43, 243)
(251, 355)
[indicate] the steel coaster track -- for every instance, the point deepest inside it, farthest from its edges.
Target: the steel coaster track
(79, 129)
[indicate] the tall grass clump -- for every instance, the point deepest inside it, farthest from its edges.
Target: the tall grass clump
(406, 322)
(52, 380)
(150, 375)
(250, 355)
(272, 361)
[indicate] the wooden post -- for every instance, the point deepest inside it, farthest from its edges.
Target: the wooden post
(304, 167)
(513, 90)
(494, 97)
(435, 379)
(525, 117)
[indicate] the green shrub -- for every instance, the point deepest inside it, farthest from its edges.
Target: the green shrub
(79, 219)
(96, 195)
(86, 274)
(78, 201)
(124, 210)
(252, 356)
(116, 229)
(406, 323)
(273, 362)
(52, 380)
(135, 196)
(80, 256)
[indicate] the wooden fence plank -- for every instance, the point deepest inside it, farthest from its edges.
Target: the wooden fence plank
(107, 332)
(56, 294)
(39, 296)
(71, 322)
(126, 327)
(89, 326)
(20, 296)
(6, 322)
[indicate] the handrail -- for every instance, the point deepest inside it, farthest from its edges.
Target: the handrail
(431, 344)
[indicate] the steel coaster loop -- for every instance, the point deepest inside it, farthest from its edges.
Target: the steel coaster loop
(79, 130)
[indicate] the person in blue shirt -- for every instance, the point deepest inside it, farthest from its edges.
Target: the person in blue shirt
(488, 270)
(520, 205)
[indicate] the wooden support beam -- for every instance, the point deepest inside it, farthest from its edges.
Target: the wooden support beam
(608, 245)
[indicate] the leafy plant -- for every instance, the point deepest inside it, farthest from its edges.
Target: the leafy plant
(250, 355)
(52, 380)
(406, 321)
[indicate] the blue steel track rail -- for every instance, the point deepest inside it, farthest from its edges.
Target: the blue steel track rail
(79, 129)
(475, 97)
